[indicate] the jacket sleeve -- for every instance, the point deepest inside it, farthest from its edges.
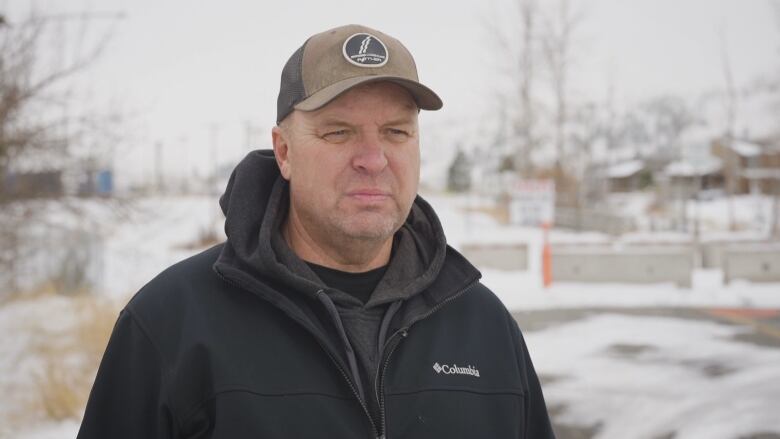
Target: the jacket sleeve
(128, 397)
(537, 420)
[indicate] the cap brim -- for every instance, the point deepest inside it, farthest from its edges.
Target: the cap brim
(425, 98)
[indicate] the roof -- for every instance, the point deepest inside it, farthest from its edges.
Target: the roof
(691, 168)
(625, 169)
(745, 148)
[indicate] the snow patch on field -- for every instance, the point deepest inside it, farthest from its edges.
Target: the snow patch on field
(524, 291)
(644, 377)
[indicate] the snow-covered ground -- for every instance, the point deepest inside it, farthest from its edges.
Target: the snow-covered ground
(686, 379)
(654, 377)
(674, 393)
(160, 233)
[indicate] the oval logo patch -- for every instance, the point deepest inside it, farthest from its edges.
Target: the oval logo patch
(365, 50)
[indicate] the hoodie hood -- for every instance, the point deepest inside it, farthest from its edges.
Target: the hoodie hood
(255, 205)
(423, 273)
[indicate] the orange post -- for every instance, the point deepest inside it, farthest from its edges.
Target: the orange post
(546, 257)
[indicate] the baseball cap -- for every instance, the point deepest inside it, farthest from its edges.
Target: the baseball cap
(330, 63)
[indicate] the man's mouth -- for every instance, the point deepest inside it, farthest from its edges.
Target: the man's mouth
(369, 195)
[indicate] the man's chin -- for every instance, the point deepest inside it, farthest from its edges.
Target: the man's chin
(373, 226)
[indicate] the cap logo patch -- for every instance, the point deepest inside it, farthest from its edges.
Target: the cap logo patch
(365, 50)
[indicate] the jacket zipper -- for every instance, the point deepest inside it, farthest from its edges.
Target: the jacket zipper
(404, 332)
(332, 359)
(352, 387)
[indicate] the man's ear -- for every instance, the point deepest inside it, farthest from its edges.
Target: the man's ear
(281, 141)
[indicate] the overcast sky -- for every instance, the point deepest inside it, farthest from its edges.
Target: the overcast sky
(180, 67)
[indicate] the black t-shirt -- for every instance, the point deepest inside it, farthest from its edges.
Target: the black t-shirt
(358, 285)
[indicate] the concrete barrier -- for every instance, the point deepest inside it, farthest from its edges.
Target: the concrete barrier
(498, 256)
(626, 265)
(712, 251)
(756, 263)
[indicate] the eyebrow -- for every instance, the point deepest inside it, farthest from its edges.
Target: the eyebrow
(401, 121)
(333, 121)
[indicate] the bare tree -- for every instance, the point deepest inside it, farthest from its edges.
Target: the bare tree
(525, 123)
(518, 43)
(38, 127)
(668, 117)
(774, 228)
(730, 104)
(557, 41)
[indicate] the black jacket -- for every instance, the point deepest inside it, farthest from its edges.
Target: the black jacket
(217, 347)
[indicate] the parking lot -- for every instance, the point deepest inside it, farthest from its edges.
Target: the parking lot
(658, 372)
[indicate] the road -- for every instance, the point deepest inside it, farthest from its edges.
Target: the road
(758, 327)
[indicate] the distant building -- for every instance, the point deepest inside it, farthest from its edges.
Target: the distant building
(52, 179)
(628, 176)
(688, 176)
(97, 182)
(32, 184)
(753, 166)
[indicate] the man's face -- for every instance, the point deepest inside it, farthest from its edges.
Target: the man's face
(353, 165)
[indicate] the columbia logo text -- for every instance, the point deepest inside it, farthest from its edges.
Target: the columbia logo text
(446, 369)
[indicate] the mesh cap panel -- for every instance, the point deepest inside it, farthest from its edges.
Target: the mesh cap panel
(291, 90)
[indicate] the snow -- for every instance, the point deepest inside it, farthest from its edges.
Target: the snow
(634, 394)
(52, 430)
(524, 291)
(689, 168)
(37, 326)
(745, 148)
(625, 169)
(688, 378)
(155, 238)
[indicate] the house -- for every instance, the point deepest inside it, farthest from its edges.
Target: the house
(690, 176)
(627, 176)
(753, 166)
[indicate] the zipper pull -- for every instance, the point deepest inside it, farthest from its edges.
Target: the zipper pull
(404, 334)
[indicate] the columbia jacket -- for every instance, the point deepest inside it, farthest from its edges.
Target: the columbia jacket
(229, 344)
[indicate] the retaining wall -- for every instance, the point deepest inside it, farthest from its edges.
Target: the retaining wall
(756, 263)
(498, 256)
(628, 265)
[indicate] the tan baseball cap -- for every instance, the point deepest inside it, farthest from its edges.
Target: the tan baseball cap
(332, 62)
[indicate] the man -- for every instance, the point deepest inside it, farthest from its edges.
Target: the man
(335, 309)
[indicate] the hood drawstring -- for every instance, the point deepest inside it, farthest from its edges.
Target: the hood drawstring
(351, 358)
(391, 311)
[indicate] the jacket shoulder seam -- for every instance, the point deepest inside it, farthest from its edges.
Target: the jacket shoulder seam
(165, 368)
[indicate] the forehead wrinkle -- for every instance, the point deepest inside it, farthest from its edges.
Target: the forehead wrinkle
(396, 104)
(338, 117)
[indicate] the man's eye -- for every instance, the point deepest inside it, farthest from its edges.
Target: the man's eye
(336, 136)
(397, 134)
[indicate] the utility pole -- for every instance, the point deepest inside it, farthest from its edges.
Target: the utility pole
(214, 145)
(158, 167)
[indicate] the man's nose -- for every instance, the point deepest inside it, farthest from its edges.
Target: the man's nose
(370, 155)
